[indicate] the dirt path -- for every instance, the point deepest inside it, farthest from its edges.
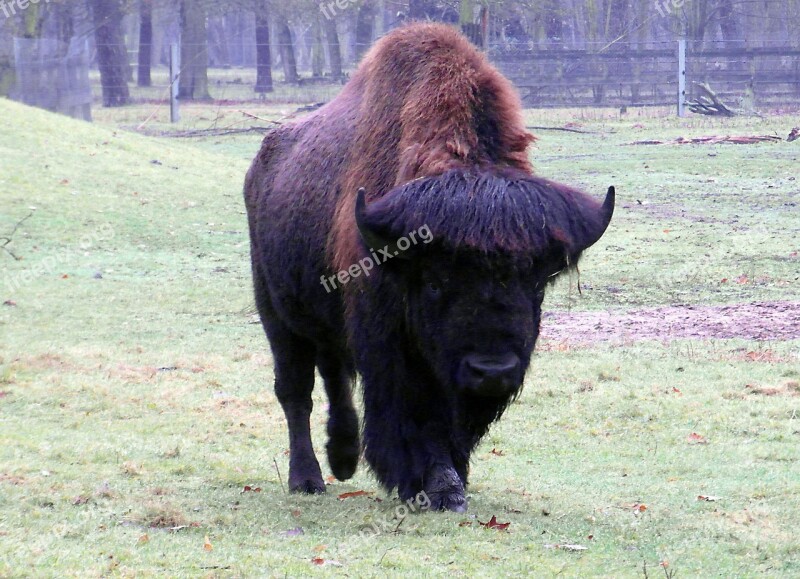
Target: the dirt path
(756, 321)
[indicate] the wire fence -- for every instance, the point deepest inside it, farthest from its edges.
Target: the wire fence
(622, 75)
(53, 75)
(745, 77)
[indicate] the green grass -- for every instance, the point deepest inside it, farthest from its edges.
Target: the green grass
(136, 389)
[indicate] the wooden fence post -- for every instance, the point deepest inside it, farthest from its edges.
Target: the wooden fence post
(681, 77)
(174, 80)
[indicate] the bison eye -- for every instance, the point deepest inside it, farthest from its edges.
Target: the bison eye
(434, 289)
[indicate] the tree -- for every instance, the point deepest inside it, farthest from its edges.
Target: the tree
(263, 51)
(317, 49)
(421, 9)
(365, 22)
(112, 55)
(194, 51)
(145, 42)
(287, 51)
(334, 49)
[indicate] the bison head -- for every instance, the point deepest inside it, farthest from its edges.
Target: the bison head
(472, 296)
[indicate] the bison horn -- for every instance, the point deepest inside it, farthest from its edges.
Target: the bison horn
(372, 239)
(607, 211)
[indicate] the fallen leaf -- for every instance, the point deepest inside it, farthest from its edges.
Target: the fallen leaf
(322, 562)
(10, 303)
(352, 494)
(638, 507)
(708, 498)
(249, 489)
(677, 391)
(330, 480)
(80, 500)
(207, 545)
(64, 276)
(493, 524)
(695, 438)
(144, 539)
(498, 452)
(296, 513)
(742, 279)
(465, 524)
(664, 563)
(723, 280)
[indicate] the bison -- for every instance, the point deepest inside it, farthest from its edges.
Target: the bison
(399, 233)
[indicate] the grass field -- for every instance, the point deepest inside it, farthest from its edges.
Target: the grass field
(135, 384)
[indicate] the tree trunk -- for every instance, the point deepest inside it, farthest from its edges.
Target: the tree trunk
(111, 52)
(334, 50)
(194, 51)
(365, 22)
(145, 42)
(219, 42)
(263, 53)
(317, 51)
(727, 21)
(553, 22)
(421, 9)
(287, 52)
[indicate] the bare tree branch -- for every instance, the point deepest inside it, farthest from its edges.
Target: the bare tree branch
(7, 239)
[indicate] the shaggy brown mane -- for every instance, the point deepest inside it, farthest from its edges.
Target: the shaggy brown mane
(428, 101)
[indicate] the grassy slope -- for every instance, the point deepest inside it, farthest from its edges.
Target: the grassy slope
(100, 447)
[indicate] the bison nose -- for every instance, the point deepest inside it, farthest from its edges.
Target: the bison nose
(490, 375)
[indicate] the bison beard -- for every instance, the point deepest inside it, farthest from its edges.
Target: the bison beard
(426, 134)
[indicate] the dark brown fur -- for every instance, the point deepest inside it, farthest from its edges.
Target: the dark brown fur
(442, 336)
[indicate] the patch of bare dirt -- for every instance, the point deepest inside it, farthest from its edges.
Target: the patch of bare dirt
(754, 321)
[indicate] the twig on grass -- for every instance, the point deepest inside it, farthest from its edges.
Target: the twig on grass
(384, 555)
(6, 239)
(566, 129)
(280, 479)
(397, 528)
(214, 132)
(256, 117)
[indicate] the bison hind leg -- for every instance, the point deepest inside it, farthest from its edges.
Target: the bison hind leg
(294, 381)
(343, 446)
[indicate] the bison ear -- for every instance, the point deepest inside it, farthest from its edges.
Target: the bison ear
(373, 239)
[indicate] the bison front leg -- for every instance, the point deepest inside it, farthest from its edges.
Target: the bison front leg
(343, 446)
(416, 458)
(445, 489)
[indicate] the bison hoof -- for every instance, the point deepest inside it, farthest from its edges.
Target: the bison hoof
(343, 458)
(310, 486)
(454, 501)
(446, 491)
